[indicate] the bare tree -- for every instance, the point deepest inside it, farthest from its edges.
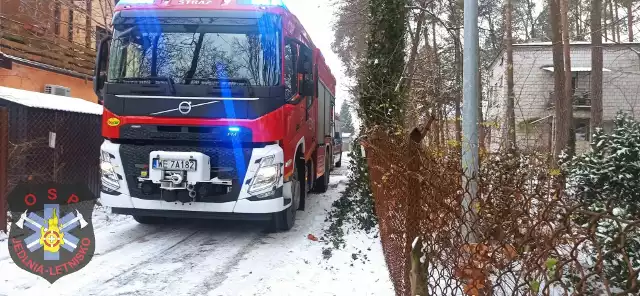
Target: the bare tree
(615, 5)
(454, 18)
(561, 125)
(511, 121)
(568, 85)
(605, 15)
(420, 19)
(614, 28)
(629, 19)
(596, 63)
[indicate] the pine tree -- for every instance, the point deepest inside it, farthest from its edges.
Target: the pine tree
(345, 117)
(606, 180)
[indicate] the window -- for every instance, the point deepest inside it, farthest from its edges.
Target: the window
(70, 26)
(582, 130)
(57, 15)
(307, 78)
(290, 71)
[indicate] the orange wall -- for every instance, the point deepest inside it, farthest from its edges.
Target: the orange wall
(34, 79)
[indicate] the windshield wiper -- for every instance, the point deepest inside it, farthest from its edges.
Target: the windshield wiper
(244, 81)
(169, 81)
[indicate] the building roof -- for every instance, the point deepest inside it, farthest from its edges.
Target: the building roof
(46, 101)
(548, 43)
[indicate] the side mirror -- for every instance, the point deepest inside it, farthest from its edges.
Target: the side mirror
(305, 65)
(306, 88)
(99, 74)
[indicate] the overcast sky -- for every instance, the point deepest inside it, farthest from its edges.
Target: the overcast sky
(317, 18)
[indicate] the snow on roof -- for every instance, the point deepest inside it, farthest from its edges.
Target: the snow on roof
(47, 101)
(577, 69)
(548, 43)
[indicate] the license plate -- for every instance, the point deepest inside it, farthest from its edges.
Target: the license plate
(175, 164)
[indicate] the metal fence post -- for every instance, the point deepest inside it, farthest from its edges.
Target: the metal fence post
(470, 116)
(4, 166)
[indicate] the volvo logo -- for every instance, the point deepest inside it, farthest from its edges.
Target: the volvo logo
(184, 107)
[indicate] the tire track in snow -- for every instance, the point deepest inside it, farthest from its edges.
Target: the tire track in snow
(103, 268)
(186, 264)
(214, 281)
(155, 258)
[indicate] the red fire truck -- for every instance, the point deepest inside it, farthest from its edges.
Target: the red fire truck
(212, 109)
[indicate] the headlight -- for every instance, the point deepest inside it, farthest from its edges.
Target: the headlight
(109, 177)
(267, 176)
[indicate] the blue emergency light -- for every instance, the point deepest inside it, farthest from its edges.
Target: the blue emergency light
(234, 129)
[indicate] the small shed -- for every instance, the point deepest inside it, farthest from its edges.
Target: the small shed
(46, 138)
(347, 139)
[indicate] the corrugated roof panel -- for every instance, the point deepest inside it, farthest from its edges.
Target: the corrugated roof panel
(47, 101)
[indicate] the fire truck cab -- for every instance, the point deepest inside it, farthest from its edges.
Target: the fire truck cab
(212, 109)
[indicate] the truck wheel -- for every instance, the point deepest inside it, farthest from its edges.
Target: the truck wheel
(150, 219)
(322, 183)
(284, 221)
(339, 163)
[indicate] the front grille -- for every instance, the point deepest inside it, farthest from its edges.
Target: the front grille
(219, 134)
(226, 163)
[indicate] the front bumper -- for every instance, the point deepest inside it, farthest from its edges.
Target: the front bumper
(128, 196)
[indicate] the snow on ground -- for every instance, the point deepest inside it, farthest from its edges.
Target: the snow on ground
(215, 258)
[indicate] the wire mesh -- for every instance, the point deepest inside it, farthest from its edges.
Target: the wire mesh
(527, 236)
(53, 146)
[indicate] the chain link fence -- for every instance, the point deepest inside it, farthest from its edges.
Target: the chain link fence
(519, 235)
(46, 145)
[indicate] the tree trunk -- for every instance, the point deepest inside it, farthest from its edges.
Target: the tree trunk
(615, 5)
(561, 133)
(568, 74)
(596, 65)
(605, 27)
(418, 277)
(458, 56)
(481, 126)
(630, 19)
(88, 28)
(614, 26)
(439, 132)
(531, 19)
(414, 48)
(510, 130)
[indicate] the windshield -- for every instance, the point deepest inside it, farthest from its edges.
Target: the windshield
(197, 52)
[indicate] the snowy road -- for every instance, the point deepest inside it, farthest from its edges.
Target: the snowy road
(214, 258)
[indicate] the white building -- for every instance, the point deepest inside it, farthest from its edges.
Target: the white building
(533, 88)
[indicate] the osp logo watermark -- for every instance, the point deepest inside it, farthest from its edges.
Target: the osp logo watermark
(51, 232)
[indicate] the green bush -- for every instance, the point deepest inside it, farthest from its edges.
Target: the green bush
(606, 181)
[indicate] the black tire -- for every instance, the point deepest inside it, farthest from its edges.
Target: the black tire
(339, 163)
(322, 184)
(150, 220)
(285, 220)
